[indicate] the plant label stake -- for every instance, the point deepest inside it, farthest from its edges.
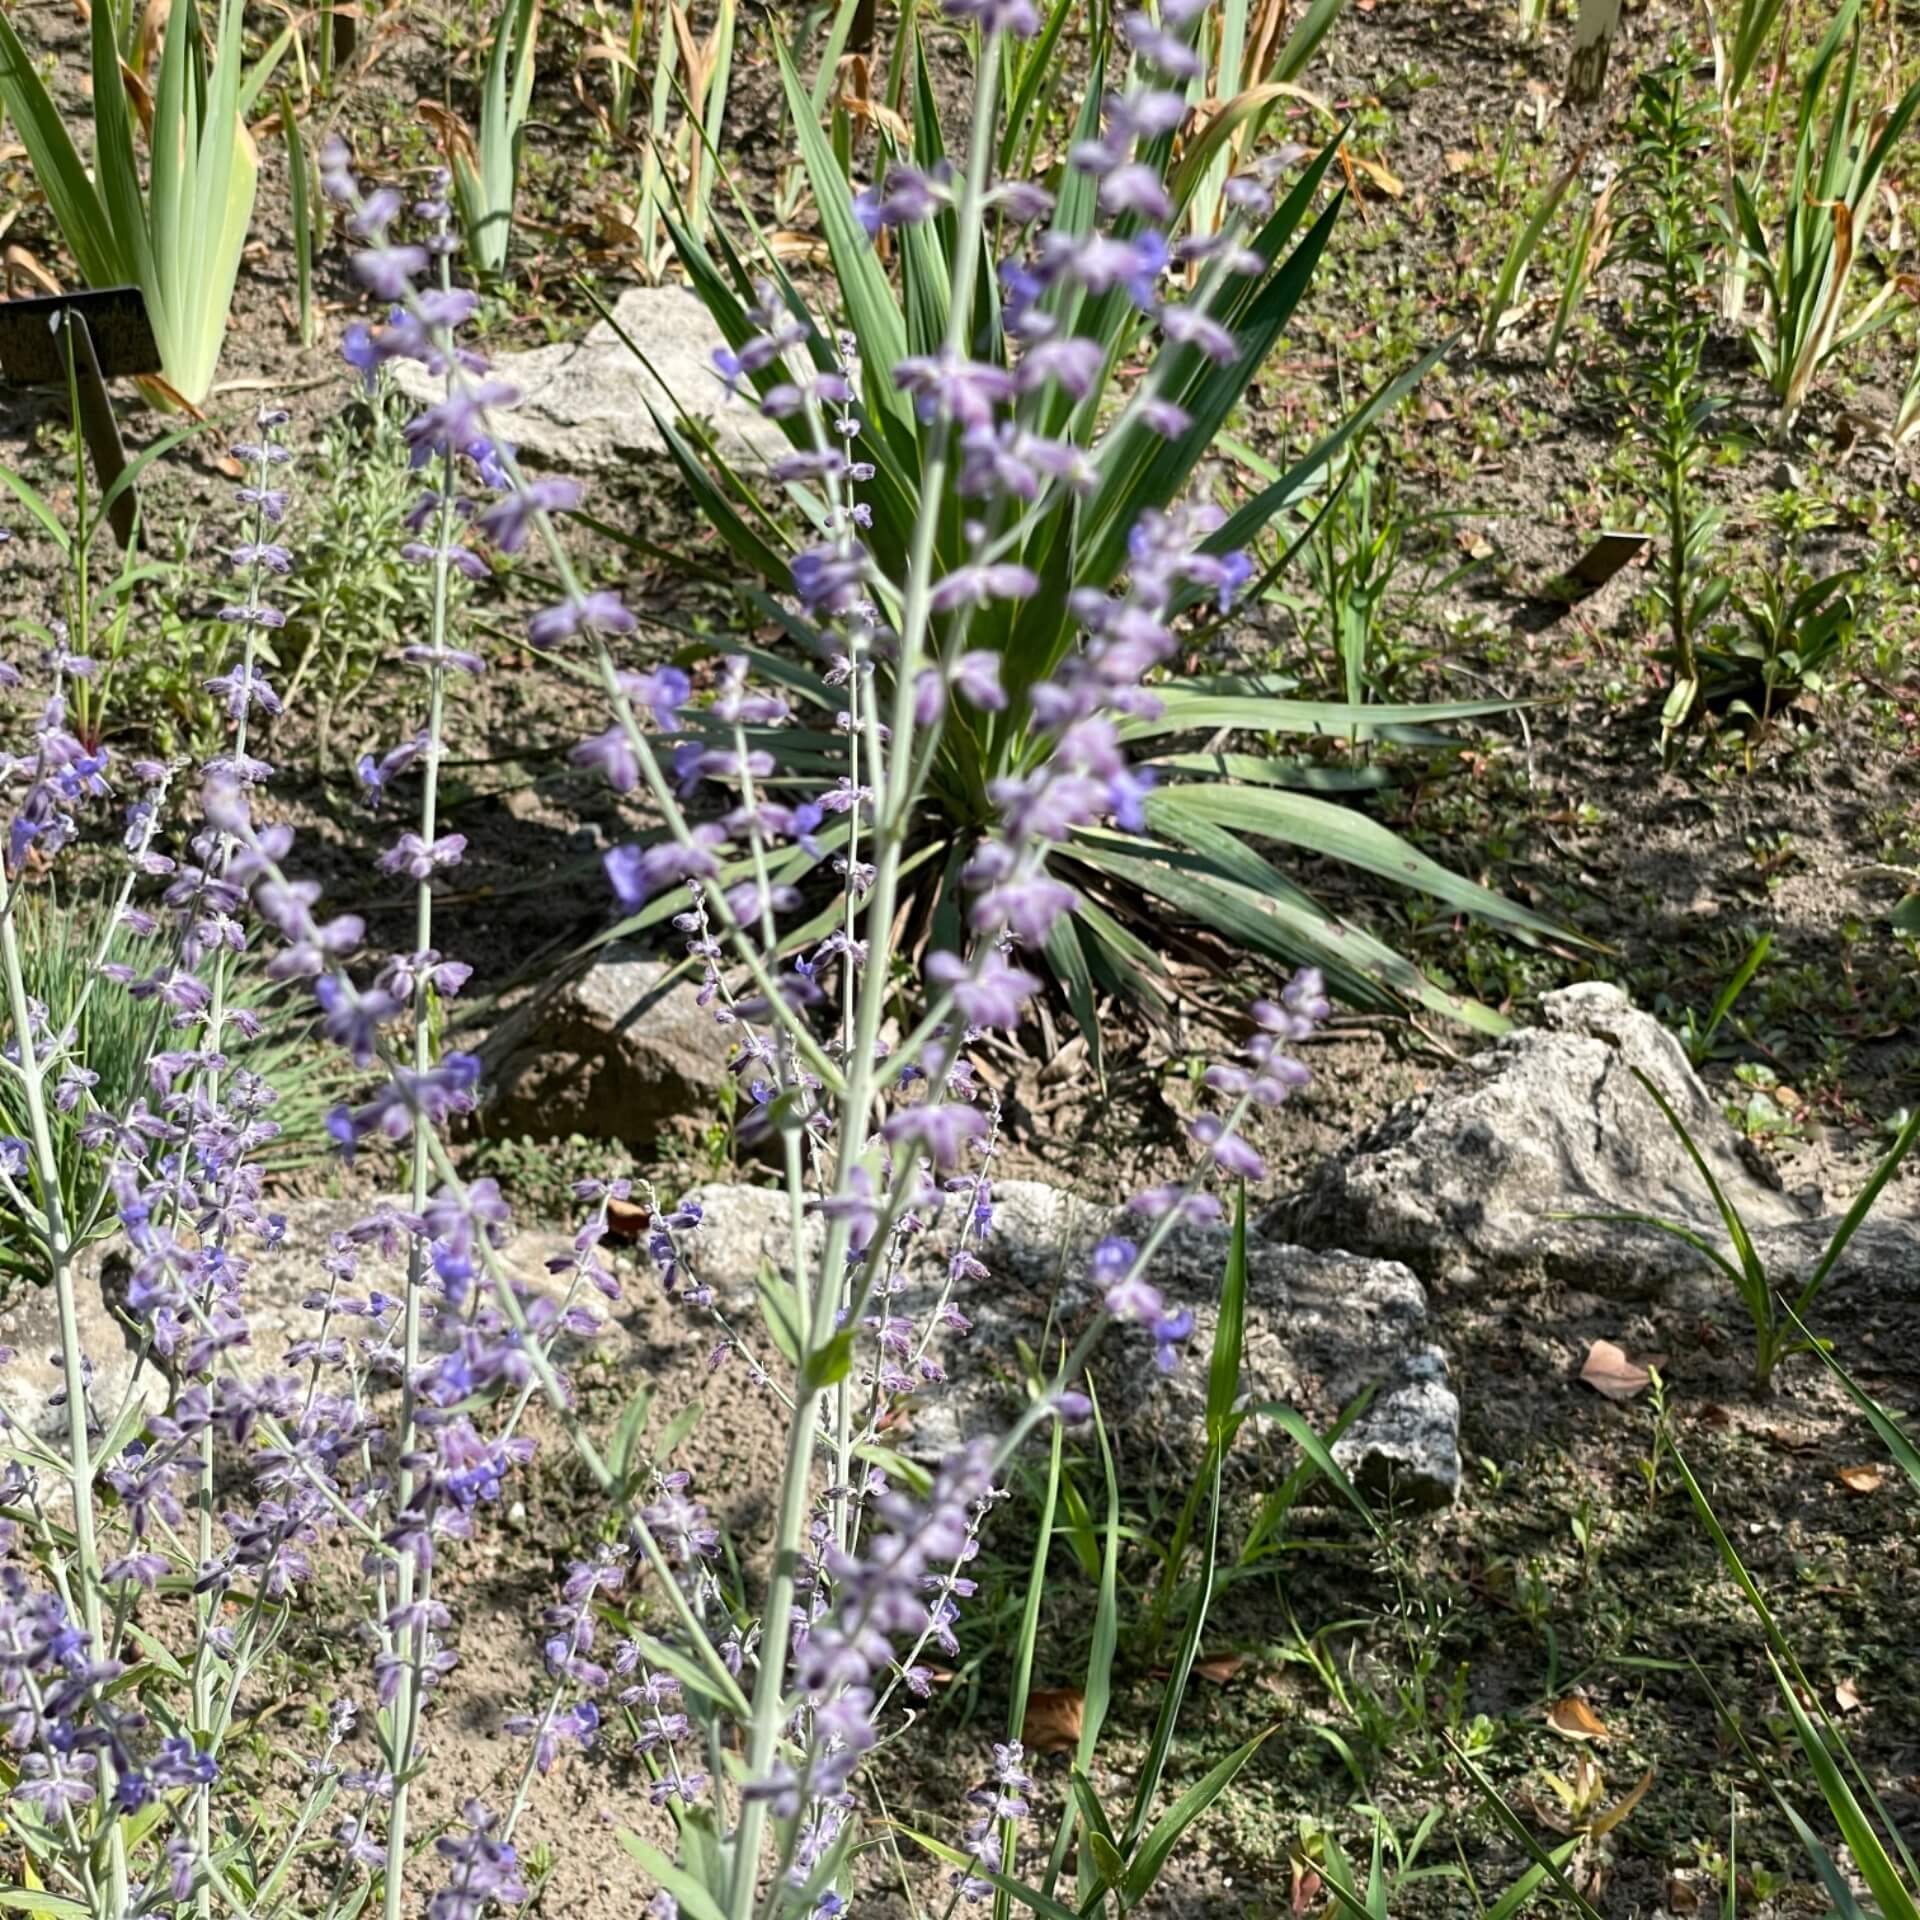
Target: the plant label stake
(1605, 558)
(91, 336)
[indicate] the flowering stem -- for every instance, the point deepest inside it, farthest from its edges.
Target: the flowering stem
(407, 1702)
(893, 801)
(79, 1462)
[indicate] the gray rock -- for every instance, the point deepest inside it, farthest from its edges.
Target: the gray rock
(619, 1054)
(1464, 1183)
(583, 403)
(1321, 1327)
(1878, 1270)
(1406, 1446)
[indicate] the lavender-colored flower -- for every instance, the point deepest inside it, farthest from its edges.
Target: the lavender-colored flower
(510, 518)
(977, 584)
(637, 873)
(600, 611)
(1017, 17)
(389, 271)
(420, 859)
(940, 1129)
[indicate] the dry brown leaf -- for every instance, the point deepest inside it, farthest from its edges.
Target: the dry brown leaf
(1609, 1372)
(21, 264)
(1054, 1716)
(1573, 1719)
(449, 129)
(1867, 1479)
(1219, 1667)
(785, 244)
(1382, 177)
(1846, 1696)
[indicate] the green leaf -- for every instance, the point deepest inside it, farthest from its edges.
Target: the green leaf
(677, 1429)
(129, 475)
(1870, 1857)
(622, 1453)
(780, 1310)
(1141, 470)
(1265, 914)
(1195, 710)
(1340, 833)
(717, 510)
(71, 196)
(1516, 1829)
(872, 311)
(35, 503)
(1845, 1906)
(1022, 1679)
(1892, 1435)
(1522, 1891)
(1307, 474)
(56, 1906)
(1029, 1897)
(1229, 1341)
(829, 1364)
(694, 1899)
(1176, 1687)
(1144, 1868)
(1755, 1288)
(1068, 959)
(1294, 1424)
(1863, 1203)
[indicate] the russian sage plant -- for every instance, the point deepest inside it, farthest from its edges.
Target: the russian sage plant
(1005, 385)
(155, 1541)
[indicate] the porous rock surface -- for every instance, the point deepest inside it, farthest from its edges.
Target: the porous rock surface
(1467, 1183)
(618, 1054)
(584, 403)
(1321, 1328)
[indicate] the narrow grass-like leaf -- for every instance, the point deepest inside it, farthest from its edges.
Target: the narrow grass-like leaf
(1297, 1428)
(1031, 1898)
(1143, 1869)
(872, 311)
(1892, 1435)
(694, 1899)
(1870, 1857)
(1229, 1340)
(62, 175)
(1341, 833)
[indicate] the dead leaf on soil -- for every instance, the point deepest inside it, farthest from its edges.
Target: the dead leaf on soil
(1053, 1719)
(1610, 1373)
(1573, 1719)
(1383, 177)
(1846, 1696)
(1867, 1479)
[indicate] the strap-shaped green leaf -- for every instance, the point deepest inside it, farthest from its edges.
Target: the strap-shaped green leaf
(872, 312)
(76, 206)
(1340, 833)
